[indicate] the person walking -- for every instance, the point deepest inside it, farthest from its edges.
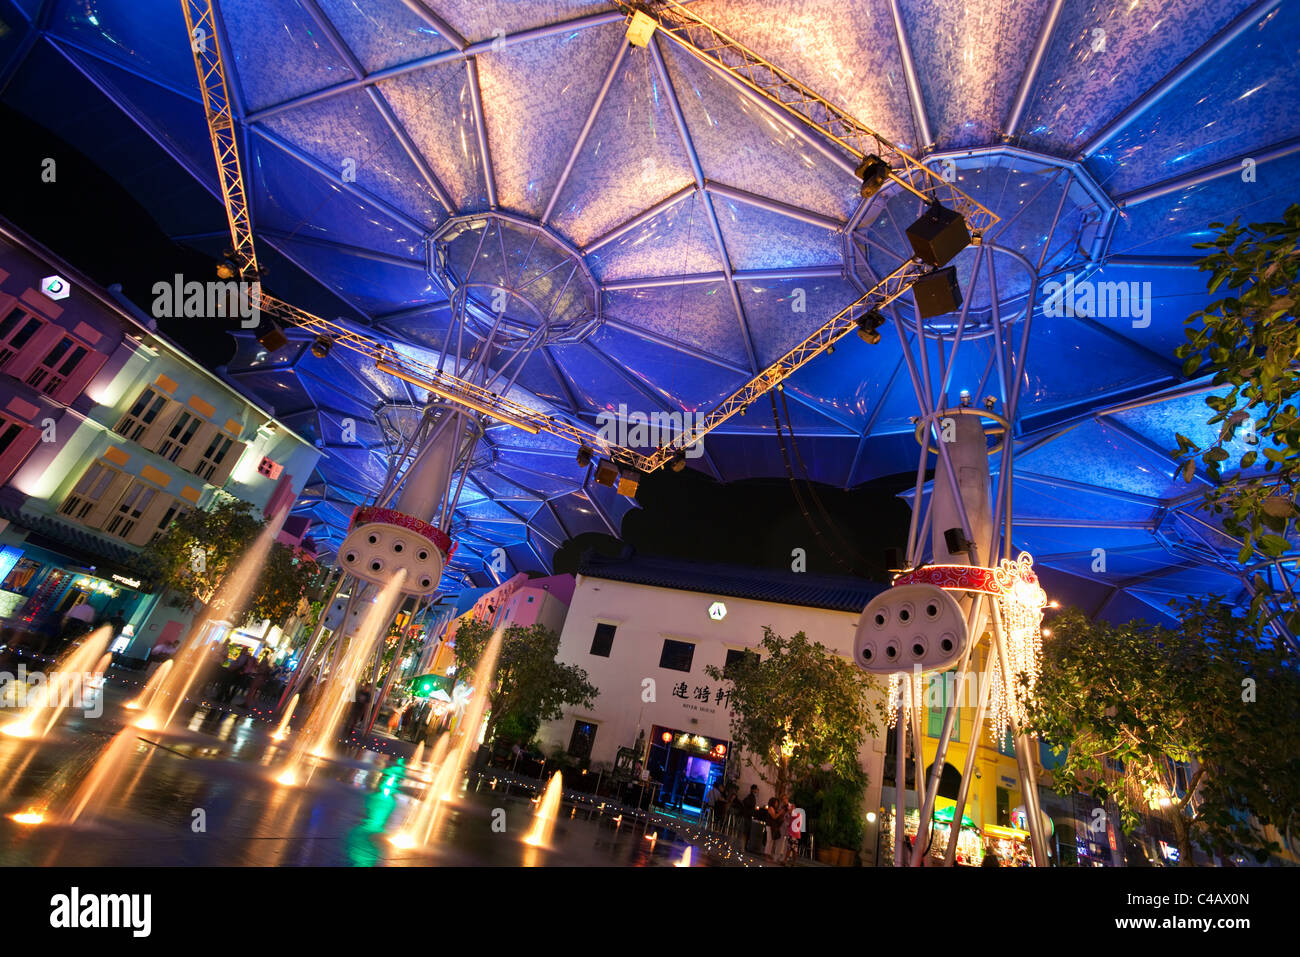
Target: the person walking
(735, 809)
(78, 621)
(359, 707)
(258, 672)
(395, 719)
(233, 673)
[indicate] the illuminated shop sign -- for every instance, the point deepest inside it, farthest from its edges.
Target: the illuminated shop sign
(96, 585)
(8, 559)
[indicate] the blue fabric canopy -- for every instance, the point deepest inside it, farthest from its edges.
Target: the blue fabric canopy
(719, 233)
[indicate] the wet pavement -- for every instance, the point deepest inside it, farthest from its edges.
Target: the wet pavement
(205, 795)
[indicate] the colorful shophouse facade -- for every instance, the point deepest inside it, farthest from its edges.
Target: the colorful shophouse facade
(108, 432)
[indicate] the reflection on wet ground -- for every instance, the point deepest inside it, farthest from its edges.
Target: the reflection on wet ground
(204, 795)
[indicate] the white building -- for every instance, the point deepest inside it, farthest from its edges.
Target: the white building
(645, 629)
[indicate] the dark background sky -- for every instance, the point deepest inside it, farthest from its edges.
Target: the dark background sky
(89, 219)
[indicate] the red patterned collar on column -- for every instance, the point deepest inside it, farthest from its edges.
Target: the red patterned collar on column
(992, 581)
(366, 514)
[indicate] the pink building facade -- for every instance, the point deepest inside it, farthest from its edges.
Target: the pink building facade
(522, 601)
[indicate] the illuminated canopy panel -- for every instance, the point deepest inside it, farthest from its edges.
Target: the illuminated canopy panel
(706, 234)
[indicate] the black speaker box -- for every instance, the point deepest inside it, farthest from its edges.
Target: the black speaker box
(272, 338)
(939, 235)
(937, 293)
(606, 472)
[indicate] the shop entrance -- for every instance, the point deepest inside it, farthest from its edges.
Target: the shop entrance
(685, 765)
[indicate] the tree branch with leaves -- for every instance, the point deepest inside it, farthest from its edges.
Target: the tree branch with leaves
(530, 686)
(1250, 341)
(202, 547)
(799, 708)
(1206, 693)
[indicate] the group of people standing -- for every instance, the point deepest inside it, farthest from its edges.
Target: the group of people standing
(781, 822)
(244, 674)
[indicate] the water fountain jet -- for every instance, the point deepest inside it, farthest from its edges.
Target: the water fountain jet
(145, 701)
(69, 678)
(423, 820)
(229, 601)
(544, 819)
(282, 731)
(322, 724)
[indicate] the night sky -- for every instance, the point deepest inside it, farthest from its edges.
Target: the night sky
(91, 221)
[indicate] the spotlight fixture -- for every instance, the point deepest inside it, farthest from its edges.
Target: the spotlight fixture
(584, 456)
(628, 480)
(321, 346)
(606, 472)
(271, 337)
(939, 235)
(990, 403)
(678, 461)
(965, 398)
(874, 173)
(868, 324)
(228, 265)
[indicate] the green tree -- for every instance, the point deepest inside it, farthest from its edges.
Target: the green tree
(798, 708)
(530, 686)
(1206, 693)
(202, 547)
(283, 586)
(1250, 341)
(833, 803)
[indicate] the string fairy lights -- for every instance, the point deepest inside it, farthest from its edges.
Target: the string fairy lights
(1020, 604)
(1019, 600)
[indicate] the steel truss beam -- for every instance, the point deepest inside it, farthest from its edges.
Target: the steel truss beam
(211, 71)
(842, 128)
(707, 43)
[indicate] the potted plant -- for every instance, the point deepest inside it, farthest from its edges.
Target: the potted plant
(833, 804)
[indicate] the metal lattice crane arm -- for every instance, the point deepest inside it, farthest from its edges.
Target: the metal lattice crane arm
(462, 392)
(208, 64)
(201, 23)
(706, 42)
(444, 384)
(833, 330)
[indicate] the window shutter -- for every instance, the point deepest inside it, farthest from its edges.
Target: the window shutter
(160, 426)
(108, 501)
(148, 523)
(197, 446)
(223, 470)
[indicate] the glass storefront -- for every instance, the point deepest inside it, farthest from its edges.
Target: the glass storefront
(40, 587)
(685, 765)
